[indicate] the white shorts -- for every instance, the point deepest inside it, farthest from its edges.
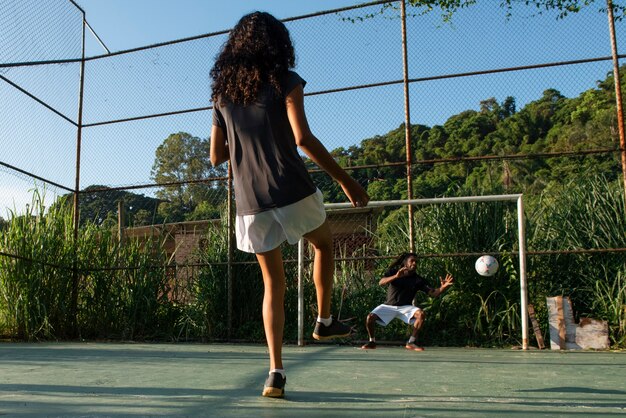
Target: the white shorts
(266, 230)
(387, 313)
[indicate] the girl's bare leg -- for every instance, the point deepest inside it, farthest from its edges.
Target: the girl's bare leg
(323, 266)
(271, 263)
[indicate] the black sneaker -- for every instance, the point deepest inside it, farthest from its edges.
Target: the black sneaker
(274, 386)
(335, 330)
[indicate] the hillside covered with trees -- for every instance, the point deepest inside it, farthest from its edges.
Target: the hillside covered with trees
(531, 139)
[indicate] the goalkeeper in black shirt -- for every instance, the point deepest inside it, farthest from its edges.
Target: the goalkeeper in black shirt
(404, 283)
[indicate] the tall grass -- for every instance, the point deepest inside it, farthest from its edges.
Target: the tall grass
(588, 214)
(609, 303)
(132, 290)
(205, 317)
(122, 289)
(35, 285)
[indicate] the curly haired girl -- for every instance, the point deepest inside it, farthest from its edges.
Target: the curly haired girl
(259, 123)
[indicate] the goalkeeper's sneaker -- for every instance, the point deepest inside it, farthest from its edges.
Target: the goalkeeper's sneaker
(274, 386)
(335, 330)
(413, 347)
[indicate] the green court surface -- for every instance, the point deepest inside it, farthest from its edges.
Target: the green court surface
(225, 380)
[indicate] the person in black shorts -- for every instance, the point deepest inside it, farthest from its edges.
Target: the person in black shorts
(404, 283)
(259, 123)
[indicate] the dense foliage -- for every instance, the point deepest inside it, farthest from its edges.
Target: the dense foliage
(551, 125)
(134, 291)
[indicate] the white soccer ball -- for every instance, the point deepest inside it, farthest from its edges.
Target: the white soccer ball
(486, 265)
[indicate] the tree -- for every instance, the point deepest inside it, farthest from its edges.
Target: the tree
(182, 164)
(144, 217)
(98, 203)
(508, 107)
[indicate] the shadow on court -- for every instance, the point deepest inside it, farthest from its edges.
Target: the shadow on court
(225, 380)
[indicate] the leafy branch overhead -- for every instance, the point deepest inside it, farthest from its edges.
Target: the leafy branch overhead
(562, 7)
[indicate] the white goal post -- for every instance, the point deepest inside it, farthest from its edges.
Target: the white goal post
(435, 201)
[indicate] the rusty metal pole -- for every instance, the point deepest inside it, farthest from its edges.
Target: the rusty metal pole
(407, 125)
(121, 221)
(618, 91)
(76, 218)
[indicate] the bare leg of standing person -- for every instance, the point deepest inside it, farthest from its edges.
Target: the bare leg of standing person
(323, 266)
(273, 271)
(326, 327)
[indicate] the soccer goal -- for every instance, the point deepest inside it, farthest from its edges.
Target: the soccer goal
(435, 201)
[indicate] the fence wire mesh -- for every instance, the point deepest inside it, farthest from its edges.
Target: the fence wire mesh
(39, 31)
(146, 120)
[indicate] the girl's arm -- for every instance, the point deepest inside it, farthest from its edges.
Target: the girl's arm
(316, 151)
(219, 147)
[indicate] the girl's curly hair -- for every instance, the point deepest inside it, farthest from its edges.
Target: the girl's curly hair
(258, 52)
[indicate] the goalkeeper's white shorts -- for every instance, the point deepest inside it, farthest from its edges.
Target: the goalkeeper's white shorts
(388, 313)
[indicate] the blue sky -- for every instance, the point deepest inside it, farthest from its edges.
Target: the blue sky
(331, 54)
(125, 24)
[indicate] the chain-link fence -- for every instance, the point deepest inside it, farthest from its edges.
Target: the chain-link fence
(125, 135)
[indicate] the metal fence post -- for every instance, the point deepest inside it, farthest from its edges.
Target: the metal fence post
(407, 124)
(76, 217)
(618, 91)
